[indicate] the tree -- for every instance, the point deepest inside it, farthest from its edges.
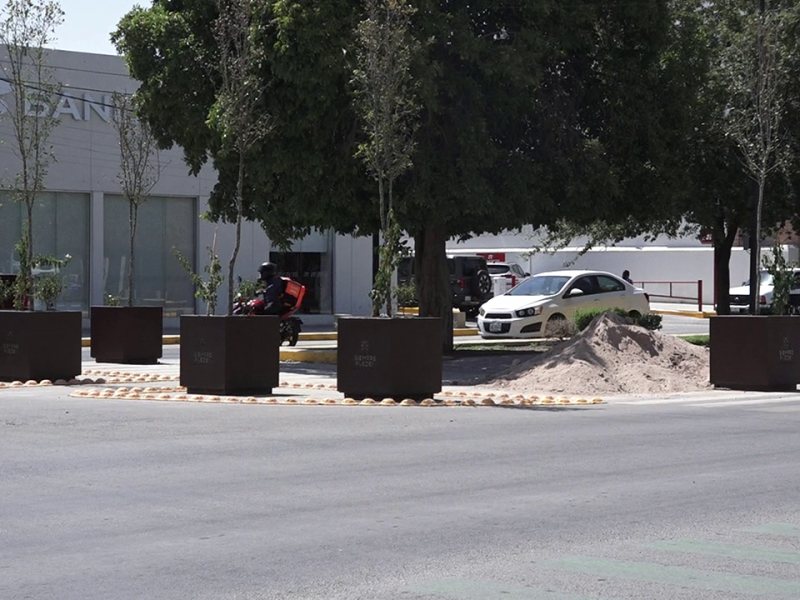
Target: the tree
(237, 115)
(714, 38)
(26, 28)
(530, 111)
(387, 104)
(757, 80)
(139, 167)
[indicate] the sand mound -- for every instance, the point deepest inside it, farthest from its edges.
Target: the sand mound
(612, 356)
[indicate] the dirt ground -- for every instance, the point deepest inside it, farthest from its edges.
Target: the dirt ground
(609, 357)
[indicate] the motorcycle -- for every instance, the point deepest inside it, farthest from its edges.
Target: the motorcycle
(291, 301)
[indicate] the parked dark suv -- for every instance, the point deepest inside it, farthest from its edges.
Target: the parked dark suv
(469, 279)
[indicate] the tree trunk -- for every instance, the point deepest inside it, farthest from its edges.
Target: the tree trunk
(433, 279)
(28, 293)
(132, 217)
(237, 243)
(722, 259)
(755, 248)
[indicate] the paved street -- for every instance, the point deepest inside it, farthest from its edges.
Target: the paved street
(683, 497)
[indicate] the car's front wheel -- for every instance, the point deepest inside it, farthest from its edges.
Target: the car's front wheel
(634, 314)
(556, 326)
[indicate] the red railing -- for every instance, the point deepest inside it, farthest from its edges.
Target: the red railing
(669, 286)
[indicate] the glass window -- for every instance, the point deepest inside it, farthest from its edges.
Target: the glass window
(60, 227)
(609, 284)
(540, 285)
(159, 279)
(588, 285)
(498, 269)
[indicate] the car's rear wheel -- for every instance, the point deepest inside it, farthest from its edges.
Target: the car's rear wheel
(634, 314)
(482, 283)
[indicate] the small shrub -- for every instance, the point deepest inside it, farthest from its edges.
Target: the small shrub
(205, 289)
(406, 294)
(649, 321)
(112, 300)
(697, 340)
(249, 288)
(585, 316)
(561, 329)
(48, 286)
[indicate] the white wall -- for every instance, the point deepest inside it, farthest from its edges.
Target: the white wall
(646, 264)
(352, 279)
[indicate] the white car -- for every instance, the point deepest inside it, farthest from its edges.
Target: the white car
(505, 276)
(534, 306)
(740, 296)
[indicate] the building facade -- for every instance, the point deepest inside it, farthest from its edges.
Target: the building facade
(83, 213)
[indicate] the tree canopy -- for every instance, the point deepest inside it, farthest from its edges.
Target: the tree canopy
(530, 111)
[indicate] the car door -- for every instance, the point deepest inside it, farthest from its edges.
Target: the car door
(587, 300)
(612, 293)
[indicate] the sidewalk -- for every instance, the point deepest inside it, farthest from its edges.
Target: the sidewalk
(684, 310)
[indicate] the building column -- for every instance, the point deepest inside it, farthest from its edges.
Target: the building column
(96, 250)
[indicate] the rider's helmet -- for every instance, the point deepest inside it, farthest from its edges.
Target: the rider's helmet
(267, 270)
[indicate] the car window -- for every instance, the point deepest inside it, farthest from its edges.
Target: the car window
(540, 285)
(451, 265)
(498, 269)
(609, 284)
(586, 284)
(517, 270)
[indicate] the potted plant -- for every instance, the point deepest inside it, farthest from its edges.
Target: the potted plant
(772, 362)
(385, 356)
(226, 354)
(130, 334)
(44, 344)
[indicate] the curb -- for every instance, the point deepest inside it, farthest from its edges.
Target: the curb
(307, 355)
(685, 313)
(308, 337)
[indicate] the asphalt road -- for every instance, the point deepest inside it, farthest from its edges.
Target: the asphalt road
(678, 498)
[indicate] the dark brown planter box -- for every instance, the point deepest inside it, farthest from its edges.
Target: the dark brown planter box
(389, 358)
(230, 355)
(40, 345)
(755, 352)
(127, 334)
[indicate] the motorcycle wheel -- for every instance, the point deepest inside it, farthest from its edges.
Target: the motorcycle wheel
(294, 334)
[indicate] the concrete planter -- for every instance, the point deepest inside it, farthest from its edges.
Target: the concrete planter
(755, 352)
(230, 355)
(40, 345)
(389, 358)
(127, 334)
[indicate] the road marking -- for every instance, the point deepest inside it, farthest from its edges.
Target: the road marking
(783, 529)
(679, 576)
(710, 401)
(729, 551)
(460, 589)
(749, 402)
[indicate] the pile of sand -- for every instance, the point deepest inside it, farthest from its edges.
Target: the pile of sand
(612, 356)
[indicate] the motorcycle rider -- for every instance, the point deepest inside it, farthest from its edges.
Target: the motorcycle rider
(274, 288)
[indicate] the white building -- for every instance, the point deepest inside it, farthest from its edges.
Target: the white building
(83, 214)
(669, 269)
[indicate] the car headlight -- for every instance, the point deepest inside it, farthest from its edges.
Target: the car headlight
(529, 312)
(481, 311)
